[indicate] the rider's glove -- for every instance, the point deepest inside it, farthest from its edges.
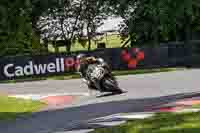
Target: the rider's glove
(86, 81)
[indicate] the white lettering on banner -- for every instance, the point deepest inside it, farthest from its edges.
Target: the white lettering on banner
(62, 63)
(19, 71)
(30, 69)
(6, 71)
(51, 68)
(57, 65)
(40, 69)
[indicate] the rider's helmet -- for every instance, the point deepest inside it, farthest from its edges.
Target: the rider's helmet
(81, 57)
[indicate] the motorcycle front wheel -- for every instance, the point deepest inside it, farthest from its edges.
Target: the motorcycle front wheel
(110, 85)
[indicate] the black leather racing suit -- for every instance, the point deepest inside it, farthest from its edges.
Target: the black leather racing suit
(83, 68)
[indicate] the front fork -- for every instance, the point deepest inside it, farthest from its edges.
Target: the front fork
(95, 85)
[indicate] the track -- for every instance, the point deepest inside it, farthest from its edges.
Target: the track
(143, 91)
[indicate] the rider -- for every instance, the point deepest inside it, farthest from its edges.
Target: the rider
(85, 61)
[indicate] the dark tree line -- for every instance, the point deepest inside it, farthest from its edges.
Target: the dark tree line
(24, 23)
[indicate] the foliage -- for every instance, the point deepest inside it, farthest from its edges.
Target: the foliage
(16, 35)
(15, 26)
(61, 22)
(152, 21)
(161, 123)
(24, 23)
(93, 14)
(72, 20)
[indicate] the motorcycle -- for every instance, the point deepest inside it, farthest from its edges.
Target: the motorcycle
(102, 79)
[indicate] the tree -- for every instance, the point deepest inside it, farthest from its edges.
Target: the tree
(15, 27)
(62, 22)
(38, 8)
(71, 19)
(93, 14)
(153, 21)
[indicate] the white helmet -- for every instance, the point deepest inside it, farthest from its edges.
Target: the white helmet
(81, 56)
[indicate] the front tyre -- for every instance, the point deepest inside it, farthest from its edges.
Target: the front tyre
(110, 85)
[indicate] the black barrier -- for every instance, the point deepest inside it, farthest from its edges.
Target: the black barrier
(117, 58)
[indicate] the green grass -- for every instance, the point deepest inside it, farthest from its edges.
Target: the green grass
(197, 106)
(112, 41)
(161, 123)
(13, 107)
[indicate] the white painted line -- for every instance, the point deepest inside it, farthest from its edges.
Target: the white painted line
(77, 131)
(187, 110)
(142, 115)
(32, 97)
(40, 96)
(136, 115)
(151, 114)
(112, 123)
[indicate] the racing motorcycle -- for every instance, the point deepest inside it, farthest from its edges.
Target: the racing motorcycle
(102, 79)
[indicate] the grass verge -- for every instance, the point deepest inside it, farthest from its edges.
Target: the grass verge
(13, 107)
(112, 41)
(197, 106)
(161, 123)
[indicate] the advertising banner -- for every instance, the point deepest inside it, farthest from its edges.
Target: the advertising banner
(117, 58)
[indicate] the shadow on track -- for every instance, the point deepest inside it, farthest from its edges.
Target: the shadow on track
(110, 94)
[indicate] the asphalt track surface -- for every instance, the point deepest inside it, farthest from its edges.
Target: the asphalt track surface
(143, 92)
